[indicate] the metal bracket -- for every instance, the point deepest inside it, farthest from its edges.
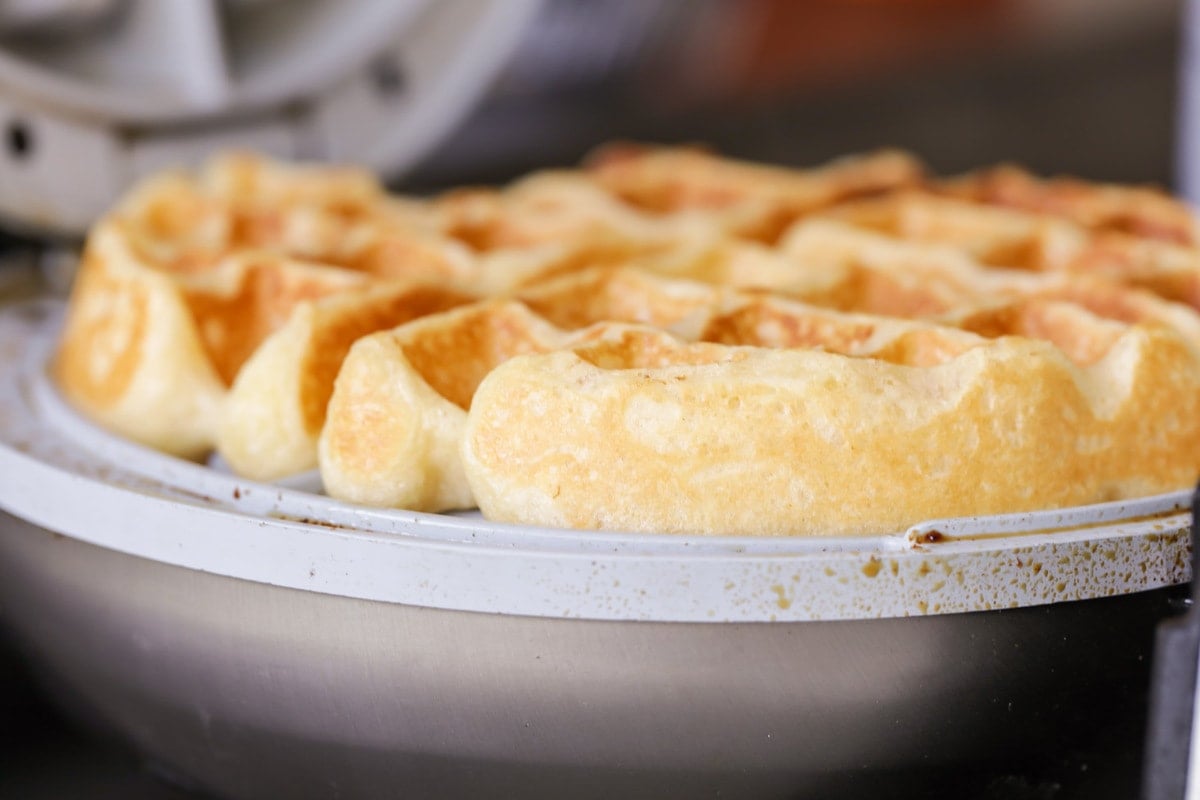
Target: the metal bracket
(1171, 770)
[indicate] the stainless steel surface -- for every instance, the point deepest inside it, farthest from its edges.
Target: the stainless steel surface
(1172, 768)
(259, 691)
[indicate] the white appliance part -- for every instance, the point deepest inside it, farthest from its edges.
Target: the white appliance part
(64, 474)
(96, 94)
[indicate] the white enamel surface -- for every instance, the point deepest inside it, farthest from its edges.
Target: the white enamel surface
(64, 474)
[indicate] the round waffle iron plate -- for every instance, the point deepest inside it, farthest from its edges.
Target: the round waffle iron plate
(264, 640)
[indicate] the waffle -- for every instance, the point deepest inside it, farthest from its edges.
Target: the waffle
(150, 354)
(862, 316)
(395, 418)
(715, 439)
(831, 265)
(186, 279)
(755, 201)
(1017, 239)
(396, 413)
(879, 274)
(393, 441)
(1145, 212)
(336, 217)
(275, 408)
(559, 206)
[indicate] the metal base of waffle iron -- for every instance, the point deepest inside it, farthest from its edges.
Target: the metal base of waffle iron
(261, 691)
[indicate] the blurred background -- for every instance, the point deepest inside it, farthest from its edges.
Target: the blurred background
(94, 93)
(1078, 86)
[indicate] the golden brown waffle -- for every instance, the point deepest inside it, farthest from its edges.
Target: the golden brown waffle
(395, 419)
(394, 440)
(870, 272)
(292, 316)
(276, 405)
(1005, 237)
(558, 206)
(334, 216)
(785, 441)
(150, 355)
(755, 201)
(1142, 211)
(190, 275)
